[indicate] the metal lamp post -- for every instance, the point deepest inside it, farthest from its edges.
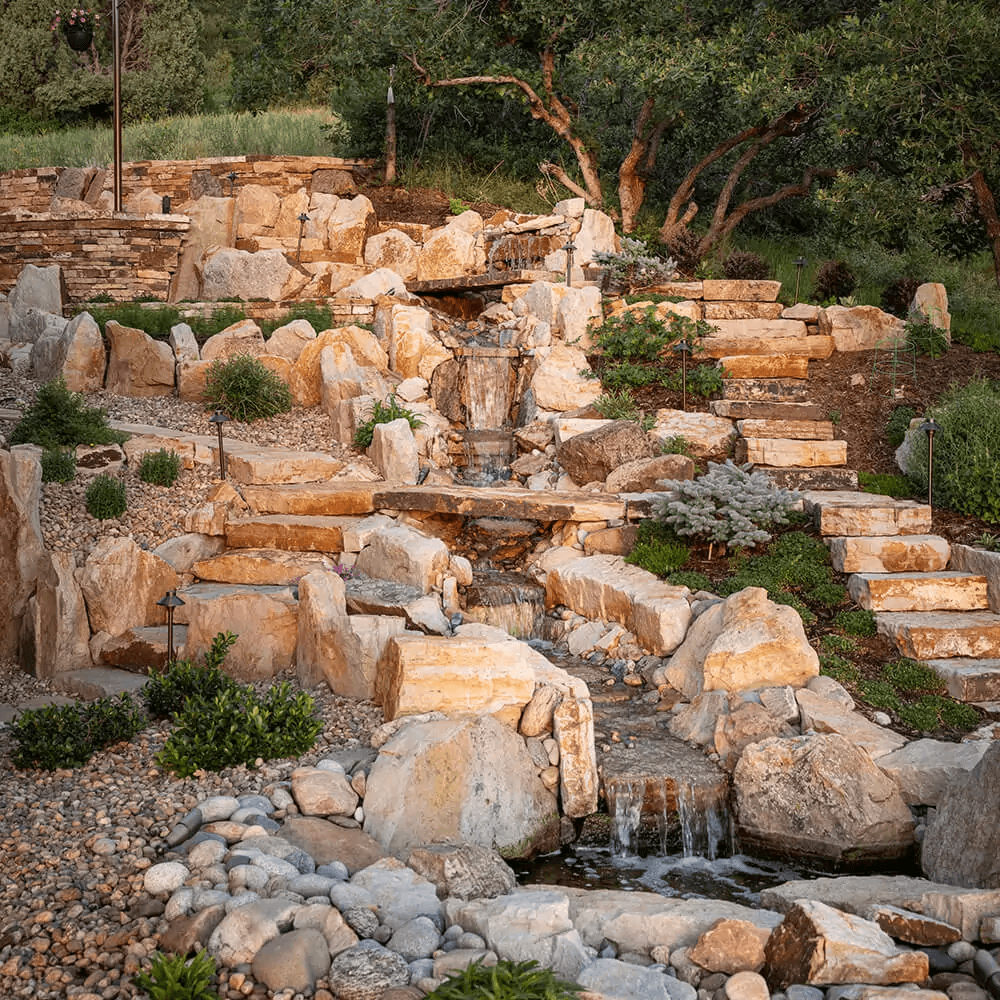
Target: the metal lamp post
(232, 175)
(684, 349)
(116, 74)
(170, 600)
(570, 249)
(218, 419)
(930, 425)
(303, 219)
(800, 262)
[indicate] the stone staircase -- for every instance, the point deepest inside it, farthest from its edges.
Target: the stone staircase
(899, 571)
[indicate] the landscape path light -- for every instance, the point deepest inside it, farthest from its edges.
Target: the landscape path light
(232, 175)
(930, 425)
(684, 349)
(800, 262)
(170, 600)
(219, 418)
(570, 249)
(303, 219)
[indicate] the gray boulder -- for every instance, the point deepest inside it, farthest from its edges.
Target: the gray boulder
(365, 973)
(593, 455)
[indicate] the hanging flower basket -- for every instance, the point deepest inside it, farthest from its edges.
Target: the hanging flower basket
(77, 27)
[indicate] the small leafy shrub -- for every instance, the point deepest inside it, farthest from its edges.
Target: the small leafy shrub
(632, 336)
(505, 981)
(898, 295)
(702, 380)
(175, 978)
(966, 466)
(633, 266)
(384, 413)
(246, 389)
(627, 376)
(728, 504)
(744, 265)
(617, 405)
(160, 467)
(987, 540)
(690, 579)
(831, 642)
(58, 465)
(60, 419)
(898, 424)
(856, 621)
(912, 675)
(884, 484)
(105, 497)
(926, 338)
(68, 735)
(166, 693)
(840, 669)
(834, 280)
(657, 549)
(675, 445)
(880, 694)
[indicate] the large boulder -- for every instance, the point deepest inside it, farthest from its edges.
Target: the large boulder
(289, 340)
(395, 250)
(242, 337)
(742, 643)
(594, 455)
(819, 796)
(930, 302)
(75, 355)
(405, 556)
(646, 473)
(860, 328)
(394, 452)
(962, 845)
(266, 274)
(471, 780)
(451, 251)
(138, 365)
(37, 288)
(413, 347)
(61, 628)
(343, 224)
(557, 383)
(357, 358)
(708, 436)
(212, 225)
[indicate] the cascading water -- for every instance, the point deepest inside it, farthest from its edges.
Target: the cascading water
(706, 827)
(508, 600)
(488, 390)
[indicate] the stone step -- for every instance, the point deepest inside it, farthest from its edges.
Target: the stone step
(344, 497)
(737, 329)
(92, 683)
(795, 478)
(942, 635)
(889, 553)
(745, 409)
(263, 566)
(295, 532)
(764, 366)
(785, 453)
(949, 590)
(846, 513)
(808, 347)
(141, 650)
(796, 430)
(773, 390)
(969, 680)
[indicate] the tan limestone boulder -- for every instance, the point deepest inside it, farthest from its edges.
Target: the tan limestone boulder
(60, 626)
(212, 224)
(403, 555)
(819, 946)
(557, 383)
(413, 347)
(319, 792)
(383, 281)
(825, 715)
(745, 723)
(393, 249)
(192, 379)
(287, 223)
(257, 209)
(353, 352)
(741, 291)
(265, 274)
(243, 337)
(818, 795)
(931, 303)
(76, 355)
(579, 310)
(593, 455)
(343, 224)
(289, 340)
(453, 250)
(786, 453)
(122, 583)
(860, 328)
(707, 435)
(394, 452)
(138, 365)
(742, 643)
(367, 351)
(183, 343)
(745, 310)
(340, 377)
(731, 946)
(275, 567)
(646, 473)
(541, 300)
(739, 330)
(925, 769)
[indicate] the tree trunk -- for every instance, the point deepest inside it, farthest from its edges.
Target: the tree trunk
(987, 209)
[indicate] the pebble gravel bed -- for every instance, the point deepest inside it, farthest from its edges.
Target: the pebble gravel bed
(74, 844)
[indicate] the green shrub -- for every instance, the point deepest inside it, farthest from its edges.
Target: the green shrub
(58, 465)
(677, 444)
(839, 668)
(627, 376)
(504, 981)
(898, 296)
(632, 336)
(68, 735)
(833, 280)
(166, 693)
(384, 413)
(60, 419)
(702, 380)
(745, 265)
(911, 675)
(898, 424)
(966, 451)
(246, 389)
(105, 497)
(234, 726)
(176, 978)
(692, 580)
(856, 622)
(926, 339)
(618, 405)
(160, 467)
(884, 484)
(728, 504)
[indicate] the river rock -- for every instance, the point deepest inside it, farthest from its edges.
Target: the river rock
(137, 364)
(405, 556)
(325, 841)
(416, 939)
(292, 961)
(320, 792)
(744, 642)
(394, 452)
(246, 929)
(819, 945)
(819, 795)
(463, 871)
(593, 455)
(461, 779)
(367, 973)
(397, 893)
(731, 946)
(615, 980)
(962, 845)
(121, 584)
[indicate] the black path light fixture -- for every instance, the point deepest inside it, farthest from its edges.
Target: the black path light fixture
(232, 175)
(218, 419)
(170, 601)
(303, 219)
(931, 426)
(570, 249)
(683, 348)
(116, 106)
(800, 262)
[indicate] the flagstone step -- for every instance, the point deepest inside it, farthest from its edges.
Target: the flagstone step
(942, 635)
(748, 409)
(295, 532)
(774, 390)
(949, 590)
(786, 453)
(846, 513)
(889, 553)
(99, 682)
(809, 347)
(830, 477)
(796, 430)
(969, 680)
(262, 566)
(764, 366)
(344, 497)
(142, 650)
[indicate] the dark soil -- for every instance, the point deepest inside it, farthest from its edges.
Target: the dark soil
(417, 205)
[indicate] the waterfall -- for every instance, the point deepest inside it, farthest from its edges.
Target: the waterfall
(487, 377)
(507, 600)
(706, 827)
(625, 808)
